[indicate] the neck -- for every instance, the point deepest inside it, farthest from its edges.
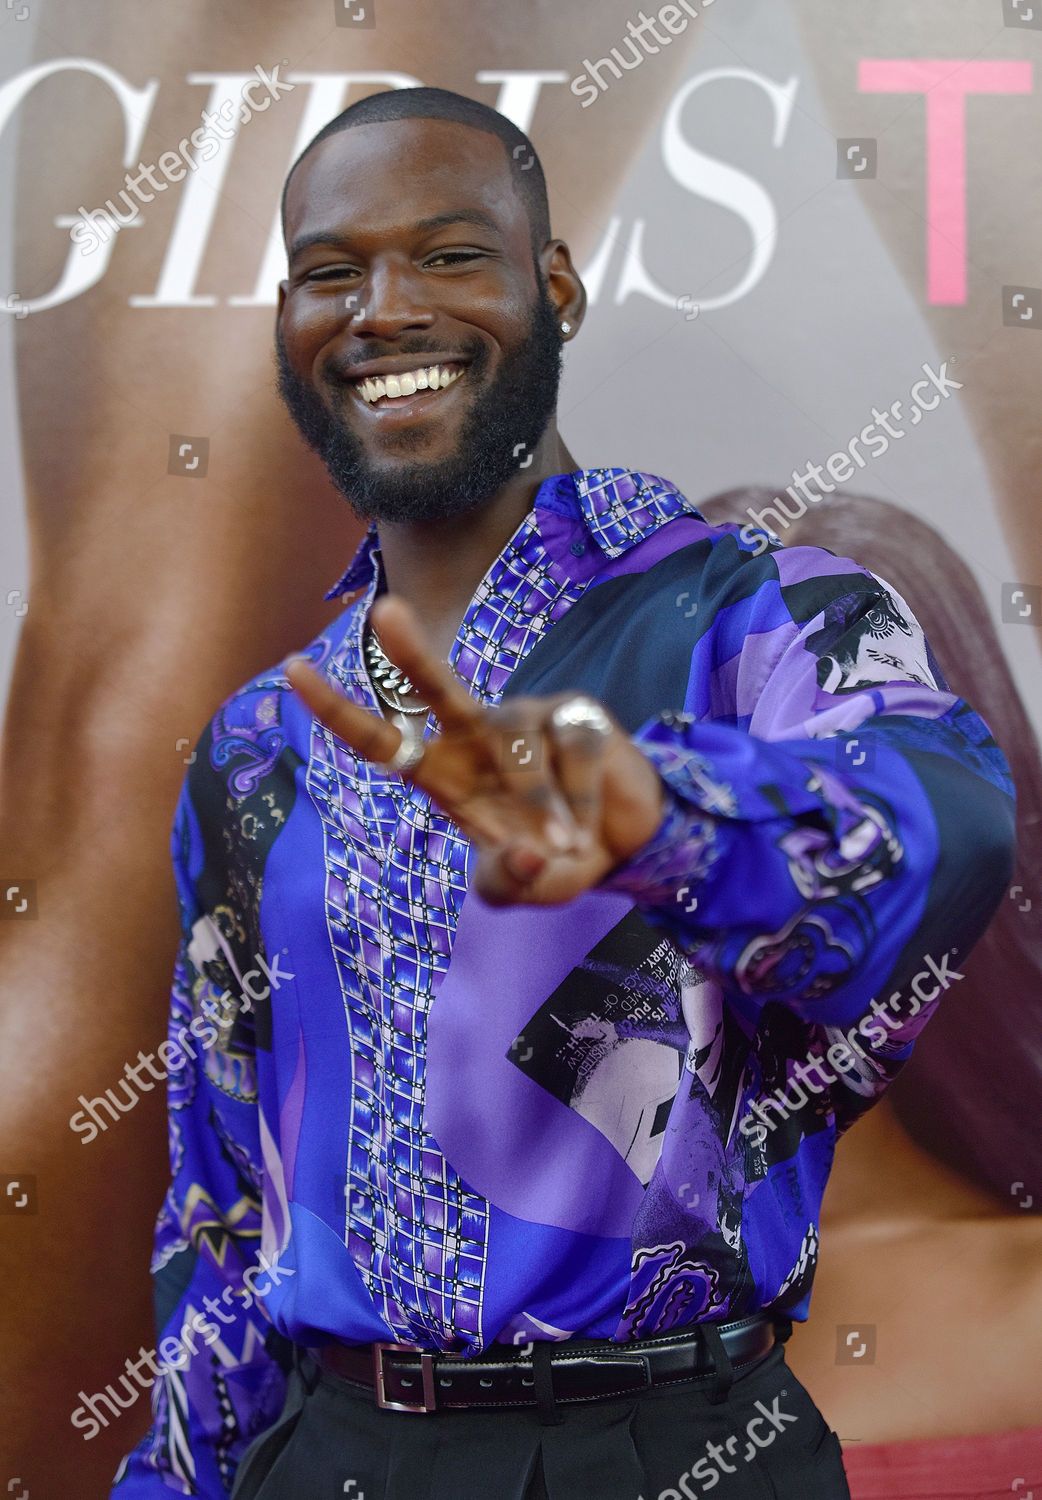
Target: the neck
(437, 565)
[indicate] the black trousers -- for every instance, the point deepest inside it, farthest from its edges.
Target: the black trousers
(765, 1440)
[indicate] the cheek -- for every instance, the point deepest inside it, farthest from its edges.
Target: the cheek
(497, 312)
(309, 323)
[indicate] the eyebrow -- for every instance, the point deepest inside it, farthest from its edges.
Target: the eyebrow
(422, 226)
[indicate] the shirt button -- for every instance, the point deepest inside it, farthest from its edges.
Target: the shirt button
(578, 548)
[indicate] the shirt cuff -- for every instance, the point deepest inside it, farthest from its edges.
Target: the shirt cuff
(668, 869)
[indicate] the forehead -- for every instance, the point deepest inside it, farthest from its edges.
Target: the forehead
(380, 179)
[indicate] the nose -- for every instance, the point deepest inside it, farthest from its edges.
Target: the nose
(389, 302)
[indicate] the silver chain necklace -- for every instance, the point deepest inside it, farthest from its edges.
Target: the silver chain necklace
(389, 681)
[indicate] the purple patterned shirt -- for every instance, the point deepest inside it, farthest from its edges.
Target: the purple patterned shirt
(399, 1114)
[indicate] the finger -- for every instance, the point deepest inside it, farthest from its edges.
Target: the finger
(478, 822)
(514, 877)
(579, 757)
(526, 772)
(401, 637)
(504, 875)
(376, 739)
(371, 736)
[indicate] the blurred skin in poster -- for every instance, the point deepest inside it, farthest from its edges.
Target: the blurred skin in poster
(181, 539)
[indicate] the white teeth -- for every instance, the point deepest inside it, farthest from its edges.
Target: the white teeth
(408, 382)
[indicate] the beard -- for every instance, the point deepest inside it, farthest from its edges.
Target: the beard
(506, 419)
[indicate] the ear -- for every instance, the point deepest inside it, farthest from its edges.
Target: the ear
(566, 290)
(282, 297)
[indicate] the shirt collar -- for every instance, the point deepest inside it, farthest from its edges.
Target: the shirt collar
(618, 507)
(361, 567)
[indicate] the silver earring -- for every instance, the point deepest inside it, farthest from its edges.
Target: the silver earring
(566, 327)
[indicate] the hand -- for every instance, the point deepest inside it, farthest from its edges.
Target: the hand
(550, 811)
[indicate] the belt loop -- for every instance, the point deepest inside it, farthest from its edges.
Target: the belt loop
(308, 1369)
(543, 1383)
(723, 1370)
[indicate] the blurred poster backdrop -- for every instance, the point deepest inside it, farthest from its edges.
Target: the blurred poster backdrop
(796, 221)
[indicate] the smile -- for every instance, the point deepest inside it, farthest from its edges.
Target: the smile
(386, 390)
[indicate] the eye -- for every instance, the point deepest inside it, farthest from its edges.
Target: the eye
(329, 273)
(879, 620)
(453, 257)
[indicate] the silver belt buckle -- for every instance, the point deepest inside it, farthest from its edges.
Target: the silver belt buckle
(428, 1403)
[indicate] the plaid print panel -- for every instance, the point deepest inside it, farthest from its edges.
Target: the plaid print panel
(395, 882)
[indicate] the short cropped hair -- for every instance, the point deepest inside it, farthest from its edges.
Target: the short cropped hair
(443, 104)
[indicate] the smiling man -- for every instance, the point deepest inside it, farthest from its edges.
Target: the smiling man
(572, 847)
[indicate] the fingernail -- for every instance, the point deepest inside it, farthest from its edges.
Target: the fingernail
(525, 864)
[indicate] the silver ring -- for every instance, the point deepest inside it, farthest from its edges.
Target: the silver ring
(408, 755)
(581, 712)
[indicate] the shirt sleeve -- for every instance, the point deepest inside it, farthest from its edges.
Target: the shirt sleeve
(839, 826)
(216, 1376)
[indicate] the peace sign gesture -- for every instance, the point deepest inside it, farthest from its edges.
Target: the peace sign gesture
(552, 792)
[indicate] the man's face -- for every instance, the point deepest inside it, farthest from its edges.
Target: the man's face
(409, 248)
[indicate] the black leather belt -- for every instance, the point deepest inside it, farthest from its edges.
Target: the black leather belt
(404, 1377)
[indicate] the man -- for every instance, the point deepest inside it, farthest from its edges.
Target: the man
(544, 926)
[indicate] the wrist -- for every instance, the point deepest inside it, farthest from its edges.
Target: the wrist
(680, 841)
